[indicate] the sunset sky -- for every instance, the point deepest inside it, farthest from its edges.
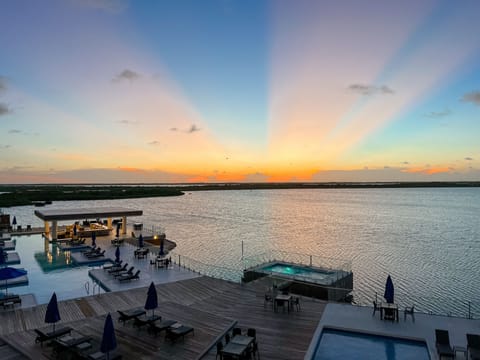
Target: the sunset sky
(101, 91)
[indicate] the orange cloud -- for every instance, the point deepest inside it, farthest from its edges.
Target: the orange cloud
(130, 169)
(428, 171)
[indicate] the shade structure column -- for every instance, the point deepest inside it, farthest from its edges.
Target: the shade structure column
(109, 222)
(47, 227)
(124, 225)
(54, 230)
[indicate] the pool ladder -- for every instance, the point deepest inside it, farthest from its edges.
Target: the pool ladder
(95, 286)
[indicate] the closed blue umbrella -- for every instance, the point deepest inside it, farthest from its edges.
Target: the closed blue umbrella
(8, 273)
(94, 237)
(52, 315)
(2, 256)
(389, 290)
(140, 241)
(109, 342)
(117, 255)
(162, 240)
(152, 299)
(14, 221)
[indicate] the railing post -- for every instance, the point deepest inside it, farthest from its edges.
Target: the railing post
(469, 311)
(310, 260)
(179, 264)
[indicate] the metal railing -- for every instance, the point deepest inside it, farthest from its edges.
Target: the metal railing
(340, 268)
(327, 263)
(221, 272)
(462, 308)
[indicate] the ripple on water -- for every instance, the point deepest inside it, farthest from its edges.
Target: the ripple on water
(427, 239)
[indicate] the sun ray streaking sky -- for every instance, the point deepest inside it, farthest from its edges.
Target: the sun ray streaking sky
(102, 91)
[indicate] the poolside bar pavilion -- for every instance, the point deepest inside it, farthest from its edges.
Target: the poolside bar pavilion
(56, 215)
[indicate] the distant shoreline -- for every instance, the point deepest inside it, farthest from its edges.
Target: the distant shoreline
(20, 195)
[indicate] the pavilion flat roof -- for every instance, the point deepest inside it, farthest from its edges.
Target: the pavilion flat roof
(85, 213)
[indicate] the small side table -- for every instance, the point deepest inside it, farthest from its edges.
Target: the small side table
(460, 352)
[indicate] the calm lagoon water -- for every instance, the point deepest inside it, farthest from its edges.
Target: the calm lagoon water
(427, 239)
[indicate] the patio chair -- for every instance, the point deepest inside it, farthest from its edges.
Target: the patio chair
(219, 350)
(409, 311)
(442, 343)
(42, 336)
(236, 331)
(254, 348)
(375, 308)
(296, 303)
(227, 338)
(127, 315)
(473, 346)
(267, 299)
(130, 277)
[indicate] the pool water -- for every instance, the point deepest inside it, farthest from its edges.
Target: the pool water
(337, 344)
(293, 270)
(49, 269)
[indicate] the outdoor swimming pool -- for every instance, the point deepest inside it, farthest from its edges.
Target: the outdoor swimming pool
(339, 344)
(49, 269)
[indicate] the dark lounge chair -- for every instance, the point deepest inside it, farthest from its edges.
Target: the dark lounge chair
(118, 269)
(124, 272)
(442, 343)
(113, 265)
(127, 315)
(473, 346)
(97, 255)
(130, 277)
(10, 300)
(155, 328)
(174, 333)
(91, 250)
(42, 337)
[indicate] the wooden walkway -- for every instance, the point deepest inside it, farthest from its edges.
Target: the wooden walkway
(208, 305)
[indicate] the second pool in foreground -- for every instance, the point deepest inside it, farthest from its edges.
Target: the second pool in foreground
(340, 344)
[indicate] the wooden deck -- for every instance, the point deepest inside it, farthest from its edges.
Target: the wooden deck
(208, 305)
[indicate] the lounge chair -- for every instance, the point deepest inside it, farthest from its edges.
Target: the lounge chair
(91, 250)
(156, 328)
(97, 255)
(127, 315)
(118, 269)
(174, 333)
(124, 273)
(130, 277)
(63, 348)
(473, 346)
(140, 321)
(113, 265)
(442, 343)
(10, 300)
(42, 337)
